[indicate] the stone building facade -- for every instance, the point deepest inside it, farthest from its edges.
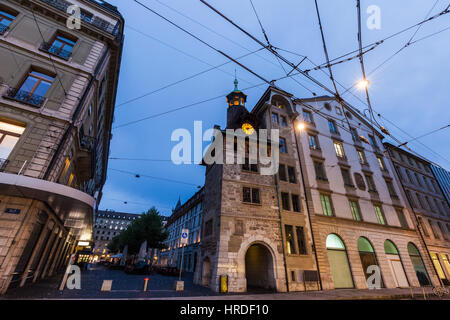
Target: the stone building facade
(189, 216)
(429, 204)
(333, 214)
(57, 96)
(107, 225)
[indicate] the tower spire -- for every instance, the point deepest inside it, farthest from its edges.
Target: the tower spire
(235, 81)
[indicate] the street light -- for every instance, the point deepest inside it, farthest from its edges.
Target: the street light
(301, 126)
(363, 84)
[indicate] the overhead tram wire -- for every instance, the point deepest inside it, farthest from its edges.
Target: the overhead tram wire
(138, 175)
(185, 79)
(424, 135)
(214, 31)
(271, 49)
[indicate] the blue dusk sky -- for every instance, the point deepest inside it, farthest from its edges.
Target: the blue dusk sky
(411, 90)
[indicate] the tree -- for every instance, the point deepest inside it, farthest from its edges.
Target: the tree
(148, 227)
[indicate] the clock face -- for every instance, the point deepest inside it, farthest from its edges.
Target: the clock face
(248, 128)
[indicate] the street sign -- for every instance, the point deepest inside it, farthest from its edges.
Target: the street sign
(184, 236)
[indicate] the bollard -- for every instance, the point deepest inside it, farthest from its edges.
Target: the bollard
(145, 284)
(223, 283)
(106, 285)
(412, 293)
(424, 295)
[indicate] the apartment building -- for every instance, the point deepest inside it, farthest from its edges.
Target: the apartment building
(185, 216)
(429, 204)
(57, 95)
(332, 215)
(107, 225)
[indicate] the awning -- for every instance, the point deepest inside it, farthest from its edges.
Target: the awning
(74, 207)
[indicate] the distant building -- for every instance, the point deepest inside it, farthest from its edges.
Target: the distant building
(57, 96)
(185, 216)
(107, 225)
(428, 203)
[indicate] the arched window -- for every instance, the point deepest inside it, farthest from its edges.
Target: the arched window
(368, 257)
(419, 267)
(337, 256)
(395, 264)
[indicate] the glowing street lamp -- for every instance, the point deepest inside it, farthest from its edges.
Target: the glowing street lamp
(301, 126)
(363, 84)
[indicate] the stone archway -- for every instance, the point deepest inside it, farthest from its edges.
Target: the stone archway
(259, 270)
(206, 272)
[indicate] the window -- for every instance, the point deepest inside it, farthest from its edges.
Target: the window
(5, 20)
(391, 189)
(292, 176)
(301, 240)
(313, 142)
(208, 228)
(332, 126)
(64, 171)
(307, 116)
(362, 157)
(419, 182)
(346, 177)
(326, 205)
(320, 172)
(381, 163)
(379, 214)
(354, 133)
(34, 88)
(295, 203)
(283, 146)
(338, 111)
(427, 200)
(285, 201)
(275, 118)
(250, 195)
(9, 136)
(433, 229)
(290, 244)
(338, 147)
(61, 46)
(283, 121)
(327, 106)
(86, 16)
(441, 228)
(247, 166)
(373, 142)
(282, 172)
(370, 183)
(419, 201)
(355, 210)
(401, 218)
(424, 228)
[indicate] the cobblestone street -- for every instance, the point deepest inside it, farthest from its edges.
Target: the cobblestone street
(126, 286)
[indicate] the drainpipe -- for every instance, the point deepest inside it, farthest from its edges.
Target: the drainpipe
(282, 233)
(419, 226)
(308, 210)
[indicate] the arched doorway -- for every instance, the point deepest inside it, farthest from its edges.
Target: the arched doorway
(340, 268)
(395, 264)
(259, 268)
(206, 272)
(419, 267)
(368, 257)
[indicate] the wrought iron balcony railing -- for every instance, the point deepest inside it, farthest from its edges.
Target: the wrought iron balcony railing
(95, 21)
(56, 51)
(3, 163)
(24, 97)
(3, 28)
(86, 142)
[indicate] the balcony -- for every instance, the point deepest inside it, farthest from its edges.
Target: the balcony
(86, 142)
(56, 51)
(3, 164)
(62, 5)
(3, 28)
(24, 97)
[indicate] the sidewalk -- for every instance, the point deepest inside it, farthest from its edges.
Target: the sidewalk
(338, 294)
